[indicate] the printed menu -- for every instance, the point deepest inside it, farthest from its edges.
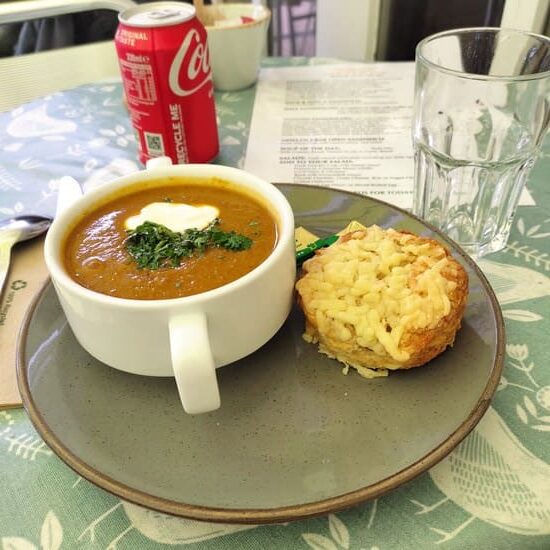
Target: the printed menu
(344, 125)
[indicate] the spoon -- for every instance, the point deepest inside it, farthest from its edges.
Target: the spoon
(14, 230)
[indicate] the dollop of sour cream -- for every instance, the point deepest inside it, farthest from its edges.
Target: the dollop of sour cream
(175, 216)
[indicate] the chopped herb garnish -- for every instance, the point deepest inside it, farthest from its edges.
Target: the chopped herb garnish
(167, 199)
(153, 245)
(253, 223)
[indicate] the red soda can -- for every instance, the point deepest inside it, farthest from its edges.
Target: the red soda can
(163, 58)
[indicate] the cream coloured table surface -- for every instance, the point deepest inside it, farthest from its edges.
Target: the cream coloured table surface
(484, 495)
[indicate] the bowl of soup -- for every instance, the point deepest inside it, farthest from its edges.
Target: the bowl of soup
(175, 270)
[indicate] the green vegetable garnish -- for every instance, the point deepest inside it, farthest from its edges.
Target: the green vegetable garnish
(308, 251)
(153, 245)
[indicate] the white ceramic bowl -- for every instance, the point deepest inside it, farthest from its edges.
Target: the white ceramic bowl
(236, 50)
(185, 337)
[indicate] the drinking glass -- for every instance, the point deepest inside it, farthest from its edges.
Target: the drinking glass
(482, 108)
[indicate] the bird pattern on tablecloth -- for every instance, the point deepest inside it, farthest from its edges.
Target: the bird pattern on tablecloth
(509, 282)
(493, 477)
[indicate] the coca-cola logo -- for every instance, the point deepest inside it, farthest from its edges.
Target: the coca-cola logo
(190, 69)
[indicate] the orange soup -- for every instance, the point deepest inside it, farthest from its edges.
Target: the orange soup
(97, 251)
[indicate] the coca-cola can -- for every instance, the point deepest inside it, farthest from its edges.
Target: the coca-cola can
(163, 58)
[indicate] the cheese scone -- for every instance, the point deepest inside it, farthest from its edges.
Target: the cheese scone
(381, 300)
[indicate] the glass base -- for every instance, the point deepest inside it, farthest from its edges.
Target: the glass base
(477, 250)
(473, 204)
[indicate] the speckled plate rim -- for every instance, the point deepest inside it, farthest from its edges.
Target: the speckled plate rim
(286, 513)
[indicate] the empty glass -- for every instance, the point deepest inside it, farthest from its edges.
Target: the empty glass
(482, 108)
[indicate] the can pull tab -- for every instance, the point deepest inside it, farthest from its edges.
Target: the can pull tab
(158, 162)
(165, 13)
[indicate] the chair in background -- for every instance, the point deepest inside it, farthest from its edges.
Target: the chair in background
(27, 77)
(292, 29)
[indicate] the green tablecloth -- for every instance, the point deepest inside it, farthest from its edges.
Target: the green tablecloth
(493, 491)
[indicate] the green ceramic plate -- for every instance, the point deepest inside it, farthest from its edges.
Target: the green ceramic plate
(294, 436)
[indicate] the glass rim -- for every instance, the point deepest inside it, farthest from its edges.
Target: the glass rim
(473, 76)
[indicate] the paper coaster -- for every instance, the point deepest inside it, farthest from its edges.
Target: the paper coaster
(26, 277)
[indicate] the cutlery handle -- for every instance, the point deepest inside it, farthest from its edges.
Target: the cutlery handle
(5, 253)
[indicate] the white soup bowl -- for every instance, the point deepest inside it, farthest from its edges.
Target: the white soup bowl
(187, 337)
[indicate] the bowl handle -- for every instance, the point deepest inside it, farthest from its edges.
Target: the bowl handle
(193, 364)
(68, 192)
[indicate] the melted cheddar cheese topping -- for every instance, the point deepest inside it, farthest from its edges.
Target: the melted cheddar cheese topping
(374, 285)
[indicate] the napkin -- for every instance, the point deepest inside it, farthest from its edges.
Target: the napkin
(26, 277)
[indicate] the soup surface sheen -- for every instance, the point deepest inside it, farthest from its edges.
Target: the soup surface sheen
(96, 256)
